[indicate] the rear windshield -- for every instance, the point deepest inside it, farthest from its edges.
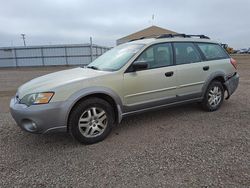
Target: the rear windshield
(212, 51)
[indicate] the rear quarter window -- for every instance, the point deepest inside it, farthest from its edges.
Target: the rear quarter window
(212, 51)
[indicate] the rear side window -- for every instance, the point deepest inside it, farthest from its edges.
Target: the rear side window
(212, 51)
(186, 53)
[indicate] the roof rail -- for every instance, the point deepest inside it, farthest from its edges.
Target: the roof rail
(182, 35)
(137, 39)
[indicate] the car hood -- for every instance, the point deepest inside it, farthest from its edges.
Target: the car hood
(53, 80)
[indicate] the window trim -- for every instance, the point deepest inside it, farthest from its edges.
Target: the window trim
(174, 55)
(203, 58)
(212, 59)
(195, 43)
(128, 70)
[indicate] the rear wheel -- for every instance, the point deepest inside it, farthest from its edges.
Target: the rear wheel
(214, 96)
(91, 120)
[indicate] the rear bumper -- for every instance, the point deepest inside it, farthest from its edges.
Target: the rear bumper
(231, 84)
(40, 118)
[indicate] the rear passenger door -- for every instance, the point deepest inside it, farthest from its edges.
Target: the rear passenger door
(190, 70)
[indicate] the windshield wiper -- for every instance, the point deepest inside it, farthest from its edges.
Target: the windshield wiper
(93, 67)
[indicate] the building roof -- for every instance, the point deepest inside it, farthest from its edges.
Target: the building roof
(148, 32)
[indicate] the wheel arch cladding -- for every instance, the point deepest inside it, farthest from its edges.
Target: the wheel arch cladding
(219, 76)
(103, 93)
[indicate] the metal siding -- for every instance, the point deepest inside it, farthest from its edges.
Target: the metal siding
(24, 62)
(78, 51)
(7, 63)
(99, 51)
(95, 53)
(54, 52)
(28, 53)
(6, 53)
(79, 60)
(49, 55)
(55, 61)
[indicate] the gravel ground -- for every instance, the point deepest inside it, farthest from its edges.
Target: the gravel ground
(176, 147)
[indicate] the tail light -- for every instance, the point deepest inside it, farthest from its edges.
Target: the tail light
(233, 62)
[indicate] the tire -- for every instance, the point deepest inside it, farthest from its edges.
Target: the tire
(91, 120)
(214, 96)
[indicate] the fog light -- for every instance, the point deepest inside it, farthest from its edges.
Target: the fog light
(29, 125)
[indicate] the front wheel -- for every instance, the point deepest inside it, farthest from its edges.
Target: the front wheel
(214, 96)
(91, 120)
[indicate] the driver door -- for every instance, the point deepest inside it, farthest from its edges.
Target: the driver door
(153, 86)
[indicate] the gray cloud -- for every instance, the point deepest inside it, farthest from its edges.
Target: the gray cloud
(74, 21)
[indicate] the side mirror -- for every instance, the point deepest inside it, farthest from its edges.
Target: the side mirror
(139, 65)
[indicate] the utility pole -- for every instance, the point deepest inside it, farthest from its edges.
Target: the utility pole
(23, 37)
(153, 18)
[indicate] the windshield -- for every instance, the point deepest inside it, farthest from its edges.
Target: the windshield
(115, 58)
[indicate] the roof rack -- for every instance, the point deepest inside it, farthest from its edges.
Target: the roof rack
(182, 35)
(144, 37)
(172, 36)
(137, 39)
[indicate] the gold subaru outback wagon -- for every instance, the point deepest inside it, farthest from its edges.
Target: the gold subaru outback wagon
(129, 79)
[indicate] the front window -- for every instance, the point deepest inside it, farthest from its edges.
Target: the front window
(156, 56)
(115, 58)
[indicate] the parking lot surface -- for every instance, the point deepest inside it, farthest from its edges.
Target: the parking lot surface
(176, 147)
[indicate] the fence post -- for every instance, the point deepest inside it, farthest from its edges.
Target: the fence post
(42, 56)
(66, 55)
(15, 57)
(91, 49)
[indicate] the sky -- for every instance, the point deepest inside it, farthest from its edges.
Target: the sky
(74, 21)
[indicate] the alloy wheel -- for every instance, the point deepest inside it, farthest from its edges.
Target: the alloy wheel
(214, 96)
(92, 122)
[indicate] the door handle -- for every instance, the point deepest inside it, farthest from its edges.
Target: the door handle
(169, 74)
(206, 68)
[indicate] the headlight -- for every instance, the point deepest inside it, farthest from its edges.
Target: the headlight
(37, 98)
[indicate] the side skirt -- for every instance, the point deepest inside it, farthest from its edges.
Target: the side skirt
(161, 106)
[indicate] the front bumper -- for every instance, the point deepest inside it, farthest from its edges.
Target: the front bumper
(232, 84)
(43, 118)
